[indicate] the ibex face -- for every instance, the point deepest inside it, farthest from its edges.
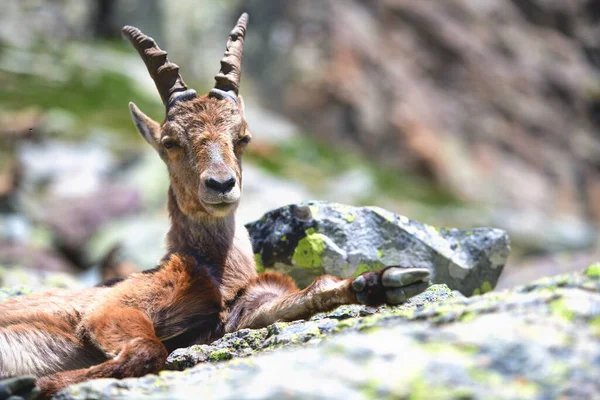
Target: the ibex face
(202, 138)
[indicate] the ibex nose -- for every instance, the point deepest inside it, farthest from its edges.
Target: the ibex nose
(222, 186)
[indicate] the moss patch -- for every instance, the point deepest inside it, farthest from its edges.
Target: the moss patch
(220, 355)
(260, 268)
(486, 287)
(309, 250)
(349, 217)
(593, 271)
(560, 307)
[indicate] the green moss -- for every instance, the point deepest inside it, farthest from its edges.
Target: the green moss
(560, 307)
(440, 288)
(260, 268)
(309, 250)
(371, 390)
(379, 253)
(362, 268)
(346, 324)
(468, 317)
(476, 292)
(486, 287)
(256, 337)
(283, 238)
(593, 271)
(420, 389)
(94, 99)
(365, 267)
(220, 355)
(485, 376)
(349, 217)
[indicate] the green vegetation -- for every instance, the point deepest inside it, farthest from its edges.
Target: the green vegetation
(220, 355)
(561, 308)
(316, 164)
(309, 250)
(593, 271)
(91, 95)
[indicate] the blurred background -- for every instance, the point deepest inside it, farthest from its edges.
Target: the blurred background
(456, 113)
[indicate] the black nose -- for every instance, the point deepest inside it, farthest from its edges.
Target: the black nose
(222, 186)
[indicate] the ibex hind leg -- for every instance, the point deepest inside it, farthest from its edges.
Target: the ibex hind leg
(270, 298)
(25, 350)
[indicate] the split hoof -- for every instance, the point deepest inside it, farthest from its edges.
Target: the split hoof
(392, 285)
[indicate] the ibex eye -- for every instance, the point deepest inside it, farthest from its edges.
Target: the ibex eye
(245, 139)
(169, 143)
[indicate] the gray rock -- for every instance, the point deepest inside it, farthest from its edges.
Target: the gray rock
(17, 290)
(247, 342)
(537, 341)
(309, 239)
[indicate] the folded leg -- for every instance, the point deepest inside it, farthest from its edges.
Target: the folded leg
(125, 335)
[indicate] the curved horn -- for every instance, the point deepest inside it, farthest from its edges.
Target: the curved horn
(165, 74)
(228, 78)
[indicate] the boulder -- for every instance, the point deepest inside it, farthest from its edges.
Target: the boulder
(536, 341)
(310, 239)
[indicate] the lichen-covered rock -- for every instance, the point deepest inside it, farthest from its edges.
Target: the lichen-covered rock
(309, 239)
(247, 342)
(18, 290)
(538, 341)
(35, 280)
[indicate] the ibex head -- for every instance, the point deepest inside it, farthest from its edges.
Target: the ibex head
(203, 137)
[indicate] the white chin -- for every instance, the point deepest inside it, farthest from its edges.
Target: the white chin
(219, 209)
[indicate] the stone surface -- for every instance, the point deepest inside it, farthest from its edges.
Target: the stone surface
(538, 341)
(309, 239)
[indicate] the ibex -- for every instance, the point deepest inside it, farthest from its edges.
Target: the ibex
(206, 285)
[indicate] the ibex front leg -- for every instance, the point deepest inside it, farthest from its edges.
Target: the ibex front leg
(272, 297)
(123, 333)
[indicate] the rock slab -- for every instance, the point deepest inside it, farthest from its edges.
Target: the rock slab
(540, 341)
(310, 239)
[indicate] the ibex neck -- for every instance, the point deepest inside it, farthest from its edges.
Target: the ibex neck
(210, 238)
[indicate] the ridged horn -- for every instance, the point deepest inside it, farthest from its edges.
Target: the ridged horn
(228, 78)
(165, 74)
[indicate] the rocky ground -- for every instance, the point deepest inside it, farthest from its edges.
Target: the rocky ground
(539, 341)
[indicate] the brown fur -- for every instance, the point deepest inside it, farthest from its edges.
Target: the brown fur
(205, 286)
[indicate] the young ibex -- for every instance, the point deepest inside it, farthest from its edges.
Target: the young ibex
(206, 285)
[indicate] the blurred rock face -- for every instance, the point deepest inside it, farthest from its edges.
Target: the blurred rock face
(497, 100)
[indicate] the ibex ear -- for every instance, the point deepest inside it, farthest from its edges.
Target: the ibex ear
(146, 126)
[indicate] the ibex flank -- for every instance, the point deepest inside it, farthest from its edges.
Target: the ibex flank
(206, 284)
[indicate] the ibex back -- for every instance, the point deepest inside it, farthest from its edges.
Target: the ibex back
(206, 284)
